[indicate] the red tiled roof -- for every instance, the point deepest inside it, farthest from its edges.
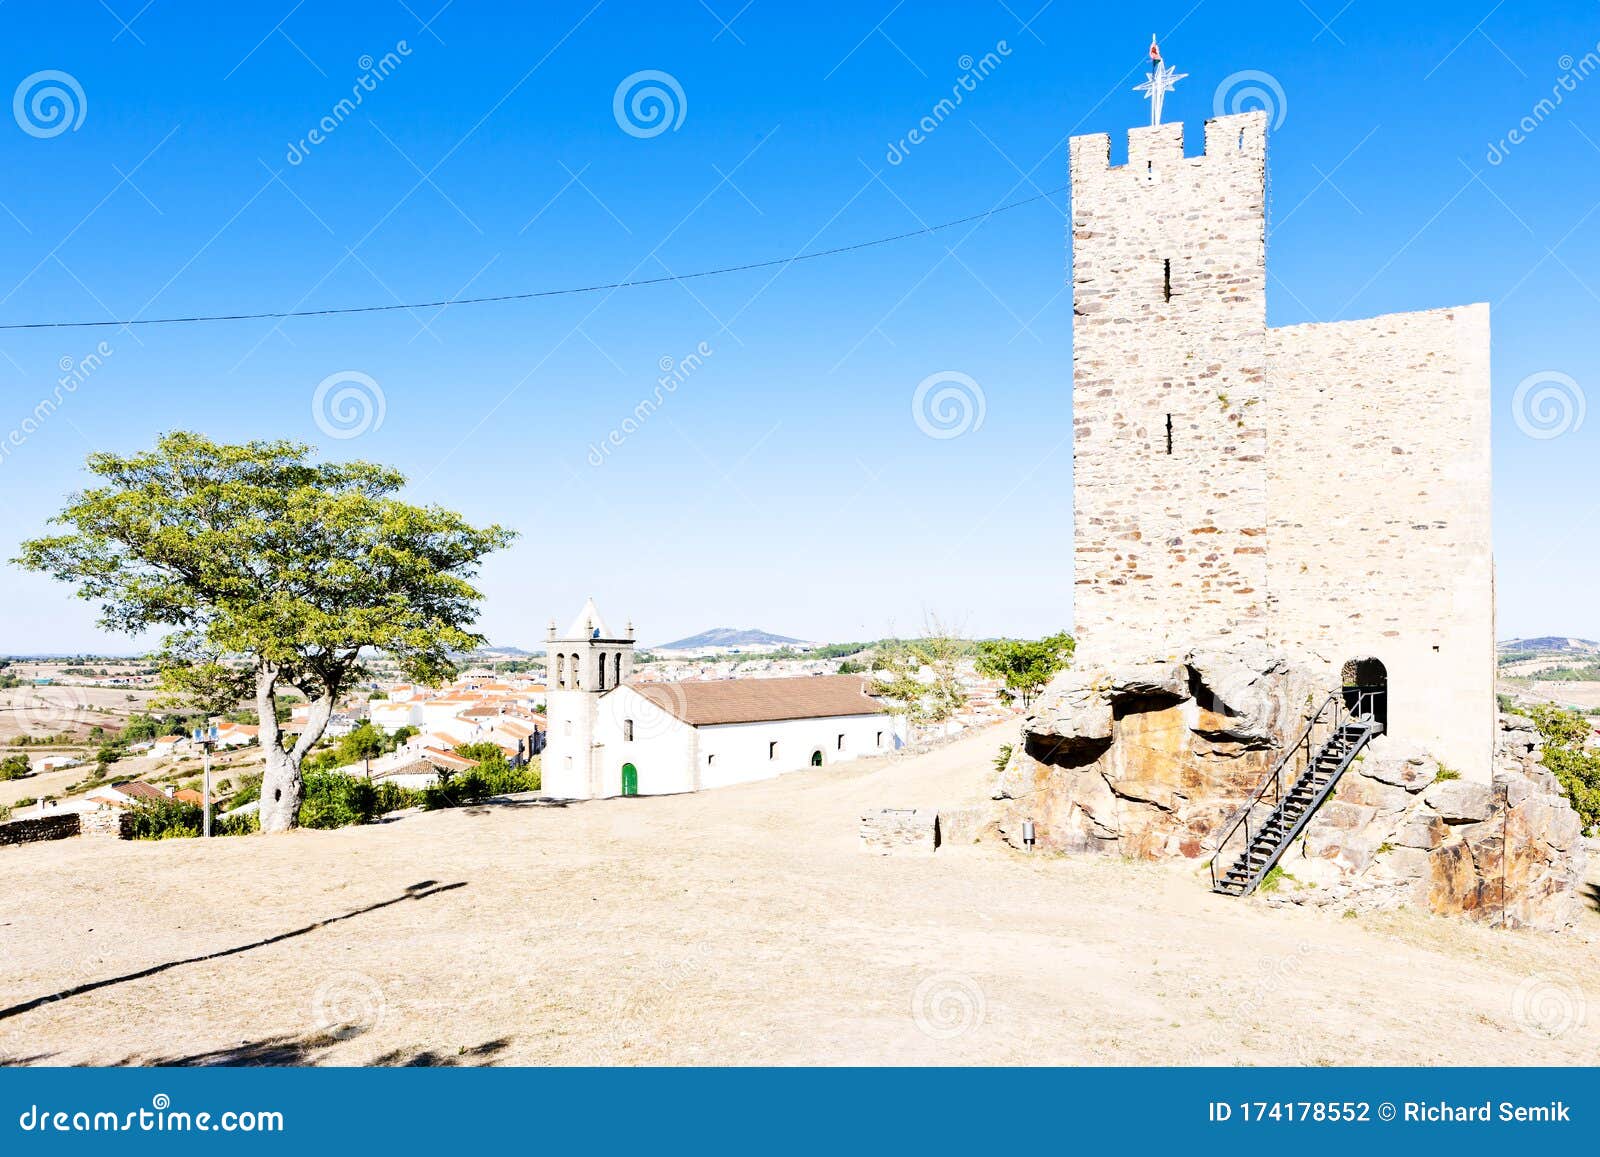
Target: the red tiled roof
(761, 700)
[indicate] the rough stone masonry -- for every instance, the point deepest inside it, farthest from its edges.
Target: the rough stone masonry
(1323, 489)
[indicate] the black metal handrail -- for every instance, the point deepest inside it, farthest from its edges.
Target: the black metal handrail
(1346, 707)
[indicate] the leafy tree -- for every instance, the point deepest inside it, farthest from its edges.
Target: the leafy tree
(919, 676)
(1024, 665)
(1568, 757)
(15, 767)
(279, 570)
(364, 744)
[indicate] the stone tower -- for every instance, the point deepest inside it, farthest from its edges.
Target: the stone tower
(1169, 364)
(581, 666)
(1324, 488)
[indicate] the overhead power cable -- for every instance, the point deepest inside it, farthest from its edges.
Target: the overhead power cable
(532, 294)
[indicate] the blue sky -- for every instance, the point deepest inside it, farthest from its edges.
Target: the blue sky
(784, 483)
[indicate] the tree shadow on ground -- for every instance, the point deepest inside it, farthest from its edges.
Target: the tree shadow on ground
(289, 1049)
(1591, 893)
(418, 891)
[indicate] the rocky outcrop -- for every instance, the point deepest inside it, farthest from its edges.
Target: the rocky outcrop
(1401, 832)
(1152, 760)
(1149, 759)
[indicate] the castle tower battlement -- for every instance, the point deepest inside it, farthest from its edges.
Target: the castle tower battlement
(1320, 488)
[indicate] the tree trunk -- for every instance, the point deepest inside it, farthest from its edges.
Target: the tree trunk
(282, 786)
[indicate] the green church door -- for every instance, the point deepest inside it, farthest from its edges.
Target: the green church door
(816, 759)
(630, 779)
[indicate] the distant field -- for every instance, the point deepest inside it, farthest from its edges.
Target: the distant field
(1561, 692)
(39, 711)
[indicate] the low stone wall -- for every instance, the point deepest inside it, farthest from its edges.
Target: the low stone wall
(900, 831)
(39, 829)
(107, 823)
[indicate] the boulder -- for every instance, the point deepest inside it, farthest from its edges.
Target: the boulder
(1460, 801)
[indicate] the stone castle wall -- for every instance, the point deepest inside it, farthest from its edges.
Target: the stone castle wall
(1324, 488)
(1379, 515)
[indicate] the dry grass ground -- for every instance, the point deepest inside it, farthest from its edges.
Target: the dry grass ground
(740, 926)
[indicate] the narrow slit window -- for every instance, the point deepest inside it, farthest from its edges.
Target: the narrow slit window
(1166, 280)
(1169, 433)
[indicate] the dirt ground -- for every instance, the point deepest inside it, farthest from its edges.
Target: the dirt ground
(742, 926)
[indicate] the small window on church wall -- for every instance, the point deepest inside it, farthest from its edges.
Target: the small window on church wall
(616, 670)
(1166, 280)
(627, 731)
(880, 739)
(561, 670)
(601, 686)
(710, 759)
(772, 750)
(1169, 433)
(839, 746)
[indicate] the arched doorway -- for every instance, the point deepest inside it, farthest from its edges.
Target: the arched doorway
(1366, 689)
(630, 779)
(816, 758)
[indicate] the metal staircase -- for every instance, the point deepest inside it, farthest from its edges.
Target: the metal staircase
(1312, 765)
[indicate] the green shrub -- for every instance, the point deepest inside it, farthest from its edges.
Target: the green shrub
(15, 767)
(249, 791)
(236, 825)
(164, 819)
(1569, 758)
(1003, 757)
(1446, 773)
(494, 776)
(333, 800)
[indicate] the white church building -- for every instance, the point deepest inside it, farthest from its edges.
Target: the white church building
(609, 736)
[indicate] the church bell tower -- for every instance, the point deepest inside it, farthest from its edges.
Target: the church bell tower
(585, 663)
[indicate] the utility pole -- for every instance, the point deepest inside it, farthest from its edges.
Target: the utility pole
(207, 739)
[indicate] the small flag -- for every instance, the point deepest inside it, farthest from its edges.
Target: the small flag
(1155, 53)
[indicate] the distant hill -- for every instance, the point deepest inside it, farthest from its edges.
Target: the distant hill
(728, 637)
(1549, 645)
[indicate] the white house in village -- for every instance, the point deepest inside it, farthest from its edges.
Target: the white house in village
(609, 737)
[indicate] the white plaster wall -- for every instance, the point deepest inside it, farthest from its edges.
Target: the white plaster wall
(662, 748)
(740, 749)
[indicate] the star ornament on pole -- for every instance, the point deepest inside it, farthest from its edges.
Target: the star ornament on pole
(1158, 82)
